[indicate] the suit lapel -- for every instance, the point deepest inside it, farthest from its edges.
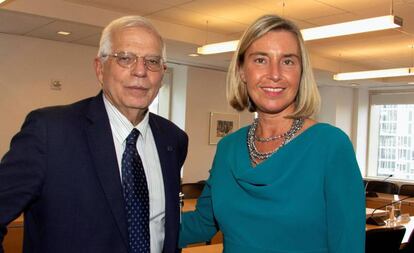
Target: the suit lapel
(104, 157)
(165, 152)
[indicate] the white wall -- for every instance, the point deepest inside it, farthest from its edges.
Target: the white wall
(327, 112)
(206, 92)
(178, 94)
(27, 67)
(347, 108)
(360, 126)
(344, 109)
(337, 107)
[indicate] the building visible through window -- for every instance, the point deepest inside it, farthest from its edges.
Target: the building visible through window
(392, 141)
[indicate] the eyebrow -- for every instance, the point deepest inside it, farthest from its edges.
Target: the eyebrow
(292, 55)
(266, 54)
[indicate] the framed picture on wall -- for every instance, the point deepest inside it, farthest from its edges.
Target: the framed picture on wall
(222, 124)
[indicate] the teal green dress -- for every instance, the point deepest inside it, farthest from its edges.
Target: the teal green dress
(307, 197)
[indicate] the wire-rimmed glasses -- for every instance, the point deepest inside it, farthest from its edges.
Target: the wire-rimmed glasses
(128, 59)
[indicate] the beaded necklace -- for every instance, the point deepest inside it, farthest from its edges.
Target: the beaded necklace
(255, 154)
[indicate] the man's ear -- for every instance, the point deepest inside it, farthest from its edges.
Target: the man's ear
(99, 69)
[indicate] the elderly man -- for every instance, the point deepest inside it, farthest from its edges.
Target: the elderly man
(102, 174)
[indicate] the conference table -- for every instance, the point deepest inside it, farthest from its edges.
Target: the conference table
(407, 206)
(213, 248)
(218, 248)
(13, 240)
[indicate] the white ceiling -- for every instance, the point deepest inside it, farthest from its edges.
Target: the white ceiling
(187, 24)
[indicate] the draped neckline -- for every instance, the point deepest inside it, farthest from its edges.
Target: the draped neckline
(271, 170)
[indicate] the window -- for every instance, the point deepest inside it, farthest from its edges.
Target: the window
(391, 149)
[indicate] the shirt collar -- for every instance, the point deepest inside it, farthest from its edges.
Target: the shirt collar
(122, 127)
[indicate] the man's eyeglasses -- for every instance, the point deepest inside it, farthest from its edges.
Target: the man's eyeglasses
(128, 59)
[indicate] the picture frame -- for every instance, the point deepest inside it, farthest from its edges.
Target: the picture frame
(222, 124)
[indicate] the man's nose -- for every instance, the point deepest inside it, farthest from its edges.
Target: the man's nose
(139, 68)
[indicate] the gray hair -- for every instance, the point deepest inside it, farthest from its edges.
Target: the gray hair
(105, 44)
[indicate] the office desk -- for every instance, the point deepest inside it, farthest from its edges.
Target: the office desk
(218, 248)
(409, 227)
(13, 242)
(189, 205)
(213, 248)
(407, 206)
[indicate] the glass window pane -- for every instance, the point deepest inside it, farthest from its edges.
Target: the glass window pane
(391, 148)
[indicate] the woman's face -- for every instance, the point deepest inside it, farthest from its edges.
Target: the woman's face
(272, 72)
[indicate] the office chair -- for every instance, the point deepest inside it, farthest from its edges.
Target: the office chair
(192, 190)
(408, 247)
(407, 189)
(384, 239)
(381, 186)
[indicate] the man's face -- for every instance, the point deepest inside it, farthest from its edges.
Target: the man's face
(131, 89)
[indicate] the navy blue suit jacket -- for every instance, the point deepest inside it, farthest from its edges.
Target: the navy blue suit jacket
(62, 172)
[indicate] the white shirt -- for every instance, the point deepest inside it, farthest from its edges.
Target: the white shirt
(121, 127)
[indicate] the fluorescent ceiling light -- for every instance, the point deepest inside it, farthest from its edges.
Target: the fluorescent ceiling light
(352, 27)
(374, 74)
(327, 31)
(64, 33)
(216, 48)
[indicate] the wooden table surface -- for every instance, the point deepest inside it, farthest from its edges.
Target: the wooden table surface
(213, 248)
(409, 227)
(189, 205)
(218, 248)
(13, 241)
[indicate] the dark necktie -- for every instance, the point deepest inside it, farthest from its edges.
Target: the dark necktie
(136, 196)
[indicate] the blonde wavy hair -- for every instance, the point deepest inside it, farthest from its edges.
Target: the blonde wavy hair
(307, 101)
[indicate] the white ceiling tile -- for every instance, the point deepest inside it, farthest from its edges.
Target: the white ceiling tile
(19, 23)
(78, 31)
(370, 49)
(297, 9)
(198, 20)
(328, 20)
(233, 11)
(230, 17)
(127, 6)
(92, 40)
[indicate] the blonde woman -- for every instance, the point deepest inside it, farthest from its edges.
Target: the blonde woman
(286, 183)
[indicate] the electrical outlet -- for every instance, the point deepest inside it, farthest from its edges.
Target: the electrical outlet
(55, 84)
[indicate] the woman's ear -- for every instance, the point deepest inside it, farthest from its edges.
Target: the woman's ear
(241, 74)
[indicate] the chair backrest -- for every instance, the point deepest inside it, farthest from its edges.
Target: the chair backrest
(384, 239)
(408, 247)
(406, 189)
(192, 190)
(381, 186)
